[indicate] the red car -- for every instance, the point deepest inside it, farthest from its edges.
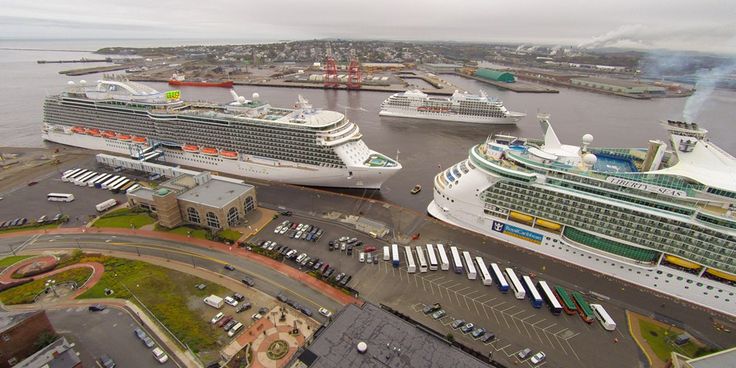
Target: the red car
(369, 249)
(223, 321)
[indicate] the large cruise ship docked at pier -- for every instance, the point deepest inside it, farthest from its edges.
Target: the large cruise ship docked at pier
(661, 218)
(249, 138)
(460, 107)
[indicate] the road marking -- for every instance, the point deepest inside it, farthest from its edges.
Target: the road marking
(573, 350)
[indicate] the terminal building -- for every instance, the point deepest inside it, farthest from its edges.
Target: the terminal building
(495, 75)
(369, 336)
(441, 68)
(618, 86)
(198, 200)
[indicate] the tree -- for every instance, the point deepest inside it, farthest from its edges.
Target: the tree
(45, 339)
(449, 337)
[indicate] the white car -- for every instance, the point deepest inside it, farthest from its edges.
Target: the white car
(299, 227)
(231, 301)
(361, 257)
(284, 230)
(273, 245)
(256, 316)
(277, 229)
(160, 355)
(325, 312)
(538, 358)
(217, 317)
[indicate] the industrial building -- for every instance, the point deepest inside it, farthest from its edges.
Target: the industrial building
(495, 75)
(441, 68)
(369, 336)
(197, 199)
(20, 332)
(382, 67)
(721, 359)
(618, 86)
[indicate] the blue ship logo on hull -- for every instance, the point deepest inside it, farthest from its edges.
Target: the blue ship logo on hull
(517, 232)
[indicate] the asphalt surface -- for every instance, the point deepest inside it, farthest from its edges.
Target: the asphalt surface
(107, 332)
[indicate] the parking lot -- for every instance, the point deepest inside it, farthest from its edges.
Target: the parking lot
(107, 332)
(565, 339)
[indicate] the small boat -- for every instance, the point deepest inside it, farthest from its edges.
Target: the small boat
(417, 188)
(93, 132)
(209, 151)
(108, 134)
(232, 155)
(124, 137)
(79, 130)
(139, 139)
(190, 148)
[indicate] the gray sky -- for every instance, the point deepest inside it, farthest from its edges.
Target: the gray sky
(705, 25)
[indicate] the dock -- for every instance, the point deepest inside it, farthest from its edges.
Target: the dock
(518, 86)
(83, 60)
(93, 70)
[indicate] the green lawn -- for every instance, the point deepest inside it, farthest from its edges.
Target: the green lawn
(170, 295)
(662, 341)
(184, 230)
(32, 226)
(25, 293)
(124, 217)
(230, 235)
(11, 260)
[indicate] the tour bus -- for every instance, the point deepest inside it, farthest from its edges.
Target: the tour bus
(423, 266)
(584, 309)
(99, 180)
(71, 176)
(432, 258)
(113, 183)
(503, 286)
(124, 188)
(395, 255)
(68, 173)
(411, 267)
(109, 181)
(519, 292)
(603, 317)
(133, 188)
(60, 197)
(457, 264)
(532, 292)
(116, 188)
(484, 274)
(469, 266)
(386, 253)
(444, 262)
(89, 181)
(82, 180)
(554, 305)
(567, 304)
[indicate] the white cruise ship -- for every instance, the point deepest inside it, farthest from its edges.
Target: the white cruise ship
(661, 218)
(461, 107)
(249, 138)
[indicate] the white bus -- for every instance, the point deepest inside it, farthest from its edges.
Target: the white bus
(469, 266)
(69, 173)
(411, 267)
(86, 182)
(78, 174)
(114, 183)
(386, 253)
(116, 186)
(444, 262)
(432, 258)
(423, 266)
(83, 179)
(60, 197)
(109, 181)
(484, 274)
(519, 292)
(457, 264)
(532, 292)
(99, 180)
(503, 286)
(554, 305)
(395, 261)
(133, 188)
(603, 317)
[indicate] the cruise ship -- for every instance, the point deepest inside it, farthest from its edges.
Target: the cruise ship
(460, 107)
(249, 138)
(662, 217)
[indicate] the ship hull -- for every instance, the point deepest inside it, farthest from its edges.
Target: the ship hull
(512, 119)
(461, 207)
(249, 167)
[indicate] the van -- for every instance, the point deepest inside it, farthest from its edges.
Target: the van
(361, 257)
(235, 329)
(386, 253)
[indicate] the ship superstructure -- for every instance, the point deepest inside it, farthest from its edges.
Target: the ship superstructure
(657, 217)
(460, 107)
(250, 138)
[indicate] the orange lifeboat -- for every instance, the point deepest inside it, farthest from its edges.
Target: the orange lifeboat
(123, 137)
(108, 134)
(139, 139)
(232, 155)
(78, 130)
(93, 132)
(190, 148)
(209, 151)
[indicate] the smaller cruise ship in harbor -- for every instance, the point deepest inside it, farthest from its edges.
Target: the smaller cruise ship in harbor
(460, 107)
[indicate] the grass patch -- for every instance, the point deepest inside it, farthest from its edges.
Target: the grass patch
(11, 260)
(25, 293)
(125, 217)
(662, 341)
(170, 295)
(230, 235)
(32, 226)
(185, 230)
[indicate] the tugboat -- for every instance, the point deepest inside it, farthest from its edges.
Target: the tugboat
(417, 188)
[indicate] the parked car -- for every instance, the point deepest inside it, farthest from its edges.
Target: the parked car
(230, 324)
(431, 308)
(467, 328)
(488, 337)
(339, 276)
(538, 358)
(361, 257)
(457, 323)
(160, 355)
(243, 307)
(358, 244)
(330, 272)
(369, 248)
(230, 301)
(148, 342)
(282, 298)
(256, 316)
(217, 317)
(439, 314)
(277, 229)
(41, 219)
(317, 265)
(369, 258)
(286, 213)
(342, 246)
(352, 240)
(106, 361)
(325, 312)
(139, 333)
(375, 259)
(224, 321)
(345, 280)
(306, 311)
(239, 297)
(97, 307)
(284, 230)
(248, 281)
(524, 353)
(266, 244)
(23, 221)
(478, 332)
(57, 217)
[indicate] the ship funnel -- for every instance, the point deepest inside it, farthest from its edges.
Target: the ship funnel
(551, 141)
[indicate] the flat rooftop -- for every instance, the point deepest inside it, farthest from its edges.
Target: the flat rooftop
(391, 341)
(215, 193)
(8, 320)
(616, 82)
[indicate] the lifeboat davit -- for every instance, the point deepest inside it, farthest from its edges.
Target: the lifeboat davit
(139, 139)
(79, 130)
(93, 132)
(209, 151)
(124, 137)
(190, 148)
(108, 134)
(232, 155)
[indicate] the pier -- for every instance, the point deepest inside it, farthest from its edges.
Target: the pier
(518, 86)
(83, 60)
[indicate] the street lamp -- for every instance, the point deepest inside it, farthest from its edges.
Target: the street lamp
(51, 284)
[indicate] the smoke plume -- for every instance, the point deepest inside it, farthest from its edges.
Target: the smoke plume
(706, 83)
(643, 36)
